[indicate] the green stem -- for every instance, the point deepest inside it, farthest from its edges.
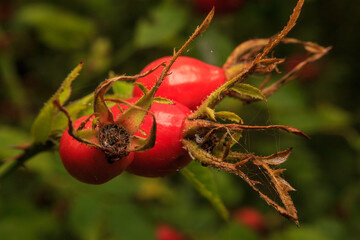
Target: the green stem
(10, 166)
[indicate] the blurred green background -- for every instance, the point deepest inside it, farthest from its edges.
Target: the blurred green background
(41, 41)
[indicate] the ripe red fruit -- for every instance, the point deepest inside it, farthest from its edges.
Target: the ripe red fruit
(190, 80)
(168, 154)
(251, 218)
(113, 136)
(166, 232)
(86, 163)
(221, 6)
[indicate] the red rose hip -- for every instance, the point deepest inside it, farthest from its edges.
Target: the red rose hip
(189, 81)
(87, 163)
(168, 155)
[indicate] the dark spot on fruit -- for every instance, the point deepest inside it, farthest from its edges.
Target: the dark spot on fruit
(116, 140)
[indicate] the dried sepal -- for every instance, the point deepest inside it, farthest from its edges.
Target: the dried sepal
(255, 170)
(192, 126)
(277, 158)
(82, 124)
(279, 197)
(100, 107)
(245, 53)
(280, 127)
(316, 51)
(71, 130)
(260, 63)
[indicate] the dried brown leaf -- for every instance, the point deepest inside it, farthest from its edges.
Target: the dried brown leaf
(256, 172)
(276, 158)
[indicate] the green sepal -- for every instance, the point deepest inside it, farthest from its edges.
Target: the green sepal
(94, 122)
(245, 91)
(90, 135)
(142, 87)
(43, 124)
(211, 113)
(230, 116)
(163, 100)
(235, 137)
(139, 144)
(143, 132)
(100, 107)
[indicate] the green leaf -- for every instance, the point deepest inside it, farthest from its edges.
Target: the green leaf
(164, 22)
(235, 230)
(224, 115)
(305, 232)
(123, 89)
(246, 91)
(221, 46)
(203, 180)
(11, 136)
(163, 100)
(43, 123)
(56, 27)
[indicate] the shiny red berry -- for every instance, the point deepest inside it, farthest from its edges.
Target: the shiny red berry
(86, 163)
(168, 154)
(190, 80)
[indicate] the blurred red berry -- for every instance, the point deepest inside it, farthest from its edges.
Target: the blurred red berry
(221, 6)
(166, 232)
(251, 218)
(6, 10)
(308, 73)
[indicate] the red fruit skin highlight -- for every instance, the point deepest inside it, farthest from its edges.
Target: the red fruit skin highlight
(168, 154)
(89, 164)
(190, 80)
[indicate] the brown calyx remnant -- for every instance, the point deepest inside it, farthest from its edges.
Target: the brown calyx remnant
(115, 140)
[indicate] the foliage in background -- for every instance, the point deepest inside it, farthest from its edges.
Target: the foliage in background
(40, 41)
